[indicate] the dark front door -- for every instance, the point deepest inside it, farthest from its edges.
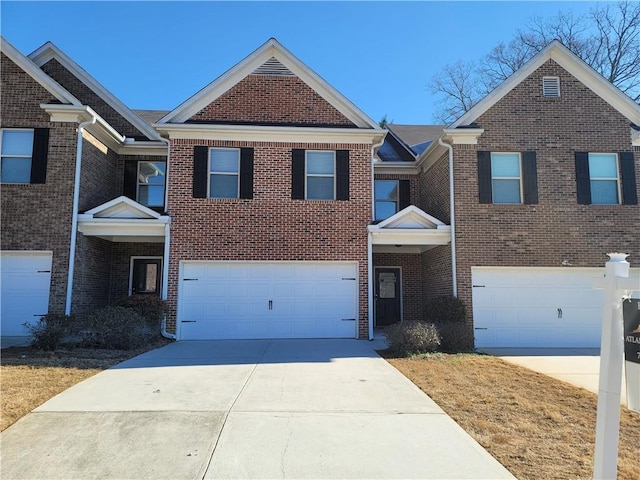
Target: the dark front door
(146, 276)
(387, 296)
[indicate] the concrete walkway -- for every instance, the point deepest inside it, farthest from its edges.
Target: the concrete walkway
(577, 366)
(245, 409)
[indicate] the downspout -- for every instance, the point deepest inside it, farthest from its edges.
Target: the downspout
(167, 241)
(454, 269)
(374, 147)
(74, 215)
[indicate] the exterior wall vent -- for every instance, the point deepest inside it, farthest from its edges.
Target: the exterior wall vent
(551, 86)
(272, 67)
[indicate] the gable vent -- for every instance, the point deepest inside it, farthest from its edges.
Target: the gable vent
(272, 67)
(551, 86)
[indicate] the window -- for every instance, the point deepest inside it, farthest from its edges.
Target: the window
(224, 172)
(320, 175)
(387, 196)
(506, 182)
(16, 155)
(151, 183)
(603, 178)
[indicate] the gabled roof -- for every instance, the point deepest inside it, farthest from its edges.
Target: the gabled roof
(38, 75)
(411, 217)
(414, 135)
(49, 51)
(121, 207)
(271, 55)
(564, 57)
(395, 150)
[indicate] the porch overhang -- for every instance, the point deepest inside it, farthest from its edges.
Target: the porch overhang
(124, 220)
(409, 231)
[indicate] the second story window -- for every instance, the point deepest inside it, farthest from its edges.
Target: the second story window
(320, 175)
(506, 178)
(151, 183)
(603, 176)
(224, 172)
(387, 197)
(606, 178)
(16, 154)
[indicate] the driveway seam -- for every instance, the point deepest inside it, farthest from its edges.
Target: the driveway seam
(203, 474)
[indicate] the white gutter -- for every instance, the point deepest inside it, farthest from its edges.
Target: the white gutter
(167, 241)
(374, 147)
(454, 276)
(74, 215)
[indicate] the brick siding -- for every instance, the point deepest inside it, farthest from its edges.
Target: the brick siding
(98, 178)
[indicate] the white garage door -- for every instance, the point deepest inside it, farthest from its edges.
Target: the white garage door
(536, 307)
(223, 300)
(24, 289)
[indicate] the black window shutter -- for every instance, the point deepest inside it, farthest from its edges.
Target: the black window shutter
(628, 173)
(529, 177)
(200, 167)
(404, 194)
(484, 177)
(297, 174)
(39, 155)
(583, 180)
(130, 184)
(246, 173)
(342, 175)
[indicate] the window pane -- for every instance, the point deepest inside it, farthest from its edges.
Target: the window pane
(602, 165)
(15, 170)
(320, 163)
(151, 195)
(151, 172)
(224, 160)
(320, 188)
(506, 191)
(385, 209)
(386, 190)
(223, 186)
(505, 165)
(604, 192)
(17, 143)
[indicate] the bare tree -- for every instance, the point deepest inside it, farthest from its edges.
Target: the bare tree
(607, 38)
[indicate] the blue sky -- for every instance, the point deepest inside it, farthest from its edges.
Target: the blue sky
(380, 55)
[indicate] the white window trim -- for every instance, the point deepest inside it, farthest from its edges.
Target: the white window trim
(143, 257)
(519, 178)
(319, 175)
(138, 183)
(375, 199)
(30, 157)
(609, 179)
(209, 172)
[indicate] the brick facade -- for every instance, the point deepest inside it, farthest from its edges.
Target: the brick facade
(271, 226)
(272, 100)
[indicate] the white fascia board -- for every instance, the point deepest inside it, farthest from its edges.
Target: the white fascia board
(463, 136)
(101, 129)
(37, 74)
(105, 227)
(410, 236)
(433, 152)
(396, 168)
(272, 48)
(260, 133)
(49, 51)
(158, 149)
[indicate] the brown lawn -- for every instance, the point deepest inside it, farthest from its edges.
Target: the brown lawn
(28, 378)
(536, 426)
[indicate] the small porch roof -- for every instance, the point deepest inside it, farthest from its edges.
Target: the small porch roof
(411, 230)
(124, 220)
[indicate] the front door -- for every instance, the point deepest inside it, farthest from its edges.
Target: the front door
(145, 277)
(387, 296)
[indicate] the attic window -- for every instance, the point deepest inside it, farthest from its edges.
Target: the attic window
(272, 67)
(551, 86)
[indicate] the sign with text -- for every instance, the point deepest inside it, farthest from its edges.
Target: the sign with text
(631, 315)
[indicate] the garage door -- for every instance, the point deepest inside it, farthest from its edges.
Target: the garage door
(536, 307)
(221, 300)
(24, 289)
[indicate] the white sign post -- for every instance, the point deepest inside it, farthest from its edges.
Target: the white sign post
(616, 281)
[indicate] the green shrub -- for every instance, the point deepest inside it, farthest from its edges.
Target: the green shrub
(151, 307)
(410, 338)
(455, 337)
(445, 310)
(50, 331)
(116, 328)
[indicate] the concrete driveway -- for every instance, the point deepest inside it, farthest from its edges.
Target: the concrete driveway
(245, 409)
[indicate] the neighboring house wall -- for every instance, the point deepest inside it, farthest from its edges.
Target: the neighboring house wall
(64, 77)
(557, 227)
(99, 175)
(38, 216)
(411, 290)
(120, 265)
(271, 226)
(272, 100)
